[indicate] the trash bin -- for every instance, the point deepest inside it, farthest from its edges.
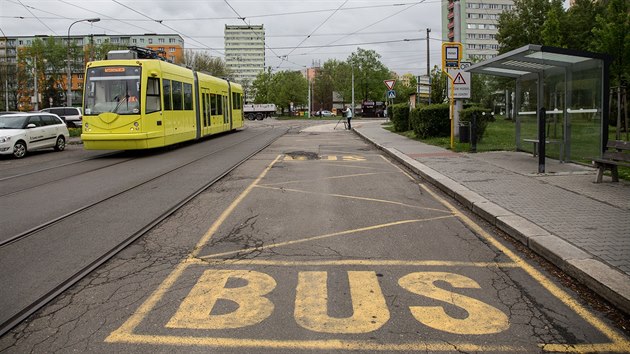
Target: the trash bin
(464, 132)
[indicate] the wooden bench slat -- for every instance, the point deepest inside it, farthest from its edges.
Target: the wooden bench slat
(617, 144)
(617, 154)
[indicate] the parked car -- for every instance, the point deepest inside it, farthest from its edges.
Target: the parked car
(71, 115)
(325, 114)
(23, 132)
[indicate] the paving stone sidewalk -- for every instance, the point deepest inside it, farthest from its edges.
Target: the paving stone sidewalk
(581, 226)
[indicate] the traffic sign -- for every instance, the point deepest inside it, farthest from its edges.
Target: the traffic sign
(391, 94)
(451, 54)
(461, 84)
(390, 84)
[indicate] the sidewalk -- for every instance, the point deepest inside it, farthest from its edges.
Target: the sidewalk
(578, 225)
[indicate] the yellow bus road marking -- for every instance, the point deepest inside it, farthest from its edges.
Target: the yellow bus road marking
(355, 262)
(319, 237)
(332, 177)
(326, 158)
(353, 197)
(329, 344)
(311, 312)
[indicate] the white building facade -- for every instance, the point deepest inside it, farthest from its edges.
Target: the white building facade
(245, 51)
(478, 24)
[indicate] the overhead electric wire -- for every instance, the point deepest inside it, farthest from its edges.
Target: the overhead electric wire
(161, 22)
(374, 23)
(282, 58)
(105, 16)
(318, 27)
(40, 21)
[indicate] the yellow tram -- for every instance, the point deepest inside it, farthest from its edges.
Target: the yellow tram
(131, 104)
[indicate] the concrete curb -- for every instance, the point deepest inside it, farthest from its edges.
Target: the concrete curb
(606, 281)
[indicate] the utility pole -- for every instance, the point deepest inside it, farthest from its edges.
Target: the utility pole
(429, 64)
(458, 37)
(353, 91)
(35, 92)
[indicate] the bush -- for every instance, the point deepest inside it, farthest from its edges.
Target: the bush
(431, 121)
(400, 117)
(484, 116)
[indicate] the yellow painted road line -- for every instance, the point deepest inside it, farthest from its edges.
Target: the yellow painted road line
(127, 328)
(334, 234)
(537, 275)
(358, 262)
(619, 344)
(353, 197)
(325, 178)
(346, 164)
(331, 344)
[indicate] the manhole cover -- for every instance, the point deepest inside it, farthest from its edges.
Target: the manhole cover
(303, 155)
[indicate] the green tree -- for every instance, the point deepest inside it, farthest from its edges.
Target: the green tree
(438, 85)
(289, 87)
(552, 32)
(522, 25)
(404, 88)
(325, 83)
(578, 27)
(369, 74)
(612, 36)
(261, 87)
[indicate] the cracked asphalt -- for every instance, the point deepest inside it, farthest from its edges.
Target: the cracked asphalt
(318, 243)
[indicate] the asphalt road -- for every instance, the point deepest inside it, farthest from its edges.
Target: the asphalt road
(319, 243)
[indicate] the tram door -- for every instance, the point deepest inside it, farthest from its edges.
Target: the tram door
(226, 111)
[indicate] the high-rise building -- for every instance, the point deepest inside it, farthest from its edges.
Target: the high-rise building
(478, 24)
(245, 51)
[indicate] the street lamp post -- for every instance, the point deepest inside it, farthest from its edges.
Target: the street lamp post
(69, 69)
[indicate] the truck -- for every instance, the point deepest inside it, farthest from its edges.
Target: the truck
(259, 111)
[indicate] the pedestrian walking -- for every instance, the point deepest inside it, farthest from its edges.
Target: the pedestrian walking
(349, 116)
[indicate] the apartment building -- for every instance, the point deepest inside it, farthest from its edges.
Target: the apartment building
(245, 51)
(478, 25)
(14, 96)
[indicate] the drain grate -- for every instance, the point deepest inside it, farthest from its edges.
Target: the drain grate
(303, 155)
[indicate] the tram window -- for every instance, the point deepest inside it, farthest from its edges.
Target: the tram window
(188, 99)
(177, 95)
(166, 90)
(220, 104)
(206, 109)
(236, 100)
(213, 104)
(153, 95)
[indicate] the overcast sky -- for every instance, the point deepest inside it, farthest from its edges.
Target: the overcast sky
(336, 27)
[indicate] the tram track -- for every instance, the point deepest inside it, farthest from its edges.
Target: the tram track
(262, 139)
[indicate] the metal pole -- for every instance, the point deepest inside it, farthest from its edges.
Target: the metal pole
(35, 93)
(69, 69)
(352, 91)
(429, 64)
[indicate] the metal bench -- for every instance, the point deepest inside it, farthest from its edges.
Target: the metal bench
(617, 154)
(548, 141)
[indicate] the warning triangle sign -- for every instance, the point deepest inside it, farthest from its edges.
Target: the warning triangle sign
(459, 79)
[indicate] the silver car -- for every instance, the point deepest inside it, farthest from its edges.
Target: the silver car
(71, 115)
(23, 132)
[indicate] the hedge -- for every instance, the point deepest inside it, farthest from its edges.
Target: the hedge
(400, 117)
(431, 121)
(484, 116)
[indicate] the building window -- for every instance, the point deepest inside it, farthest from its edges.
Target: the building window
(150, 40)
(160, 40)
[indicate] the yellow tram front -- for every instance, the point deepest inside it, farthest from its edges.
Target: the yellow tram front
(122, 105)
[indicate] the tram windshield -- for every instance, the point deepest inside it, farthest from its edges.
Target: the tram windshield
(112, 89)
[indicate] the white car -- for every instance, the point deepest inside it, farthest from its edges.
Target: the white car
(22, 132)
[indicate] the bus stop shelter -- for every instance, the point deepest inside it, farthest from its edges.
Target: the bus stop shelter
(560, 100)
